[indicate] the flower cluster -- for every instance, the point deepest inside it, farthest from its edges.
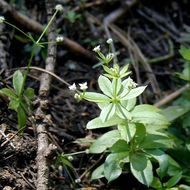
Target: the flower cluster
(130, 83)
(59, 39)
(59, 7)
(82, 86)
(105, 58)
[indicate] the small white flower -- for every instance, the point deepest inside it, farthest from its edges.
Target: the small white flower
(72, 87)
(77, 180)
(109, 55)
(59, 39)
(109, 41)
(2, 18)
(70, 158)
(97, 48)
(131, 83)
(77, 96)
(87, 151)
(83, 86)
(59, 7)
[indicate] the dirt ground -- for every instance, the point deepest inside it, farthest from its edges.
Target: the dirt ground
(143, 32)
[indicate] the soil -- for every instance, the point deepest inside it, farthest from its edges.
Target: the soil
(153, 35)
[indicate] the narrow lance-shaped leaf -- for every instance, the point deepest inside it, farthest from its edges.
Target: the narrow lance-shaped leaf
(18, 80)
(8, 92)
(105, 141)
(107, 112)
(98, 172)
(21, 117)
(97, 123)
(105, 85)
(95, 97)
(133, 93)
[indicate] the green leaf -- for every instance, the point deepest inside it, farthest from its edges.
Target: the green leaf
(162, 159)
(105, 85)
(105, 141)
(138, 161)
(148, 117)
(97, 123)
(29, 93)
(8, 92)
(174, 112)
(107, 112)
(133, 93)
(21, 117)
(112, 165)
(185, 52)
(98, 172)
(146, 107)
(140, 133)
(152, 141)
(124, 69)
(116, 82)
(122, 112)
(108, 70)
(156, 183)
(130, 104)
(127, 131)
(14, 104)
(173, 181)
(145, 176)
(120, 146)
(95, 97)
(18, 80)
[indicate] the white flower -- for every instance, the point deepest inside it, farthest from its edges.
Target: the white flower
(59, 39)
(83, 86)
(77, 180)
(97, 48)
(59, 7)
(109, 55)
(131, 83)
(2, 18)
(70, 158)
(87, 151)
(72, 87)
(109, 41)
(77, 96)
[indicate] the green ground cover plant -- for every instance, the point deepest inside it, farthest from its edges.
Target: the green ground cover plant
(137, 138)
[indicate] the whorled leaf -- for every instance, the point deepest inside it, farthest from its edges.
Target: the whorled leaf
(105, 141)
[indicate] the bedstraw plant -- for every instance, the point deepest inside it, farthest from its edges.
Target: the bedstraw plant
(136, 139)
(19, 96)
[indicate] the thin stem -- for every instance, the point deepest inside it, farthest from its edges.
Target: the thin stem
(26, 72)
(46, 28)
(18, 29)
(44, 43)
(76, 153)
(115, 88)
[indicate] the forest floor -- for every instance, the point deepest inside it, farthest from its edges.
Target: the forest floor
(146, 34)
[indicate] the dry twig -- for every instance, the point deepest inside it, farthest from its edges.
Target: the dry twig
(44, 147)
(36, 27)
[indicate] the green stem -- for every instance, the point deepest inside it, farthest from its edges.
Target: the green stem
(18, 29)
(115, 88)
(26, 72)
(44, 31)
(76, 153)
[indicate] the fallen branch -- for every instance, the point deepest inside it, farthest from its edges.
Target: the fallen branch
(36, 27)
(171, 96)
(44, 148)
